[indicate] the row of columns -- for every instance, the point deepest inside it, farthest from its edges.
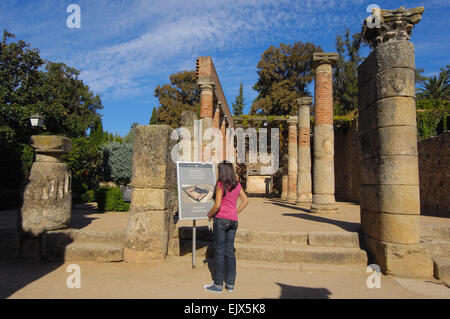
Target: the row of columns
(211, 115)
(300, 188)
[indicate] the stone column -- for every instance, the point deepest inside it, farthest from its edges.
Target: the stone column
(284, 182)
(323, 186)
(153, 197)
(390, 204)
(47, 198)
(304, 194)
(206, 115)
(292, 160)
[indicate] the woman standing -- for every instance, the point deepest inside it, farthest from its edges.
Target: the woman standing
(225, 215)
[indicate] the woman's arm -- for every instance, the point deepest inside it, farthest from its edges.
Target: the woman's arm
(213, 211)
(244, 199)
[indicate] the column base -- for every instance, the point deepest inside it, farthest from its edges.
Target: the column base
(401, 260)
(323, 208)
(304, 199)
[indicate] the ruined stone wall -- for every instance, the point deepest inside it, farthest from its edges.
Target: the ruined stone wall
(346, 163)
(434, 170)
(434, 175)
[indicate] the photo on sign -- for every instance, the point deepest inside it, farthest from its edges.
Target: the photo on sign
(199, 193)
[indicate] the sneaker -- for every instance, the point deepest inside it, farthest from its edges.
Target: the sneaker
(213, 288)
(229, 288)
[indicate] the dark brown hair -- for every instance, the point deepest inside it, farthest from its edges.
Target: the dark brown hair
(227, 177)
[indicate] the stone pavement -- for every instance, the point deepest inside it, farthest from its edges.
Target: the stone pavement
(174, 278)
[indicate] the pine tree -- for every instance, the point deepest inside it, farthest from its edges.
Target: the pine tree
(239, 103)
(154, 118)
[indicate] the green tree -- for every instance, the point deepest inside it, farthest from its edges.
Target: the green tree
(345, 77)
(436, 88)
(154, 118)
(180, 95)
(20, 79)
(54, 90)
(239, 103)
(284, 74)
(129, 138)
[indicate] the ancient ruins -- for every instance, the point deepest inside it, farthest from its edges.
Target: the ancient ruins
(388, 183)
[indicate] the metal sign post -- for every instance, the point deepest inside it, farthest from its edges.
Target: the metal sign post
(196, 182)
(194, 231)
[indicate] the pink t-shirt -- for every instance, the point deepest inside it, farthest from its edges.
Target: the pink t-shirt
(228, 209)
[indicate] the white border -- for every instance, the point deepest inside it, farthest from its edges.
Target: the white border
(179, 186)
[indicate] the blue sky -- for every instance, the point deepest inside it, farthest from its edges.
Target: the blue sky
(124, 49)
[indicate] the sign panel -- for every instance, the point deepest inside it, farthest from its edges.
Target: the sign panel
(196, 181)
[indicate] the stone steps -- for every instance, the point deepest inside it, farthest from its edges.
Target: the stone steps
(83, 245)
(436, 240)
(442, 267)
(316, 238)
(279, 253)
(99, 252)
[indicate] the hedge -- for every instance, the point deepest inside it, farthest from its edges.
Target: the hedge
(110, 199)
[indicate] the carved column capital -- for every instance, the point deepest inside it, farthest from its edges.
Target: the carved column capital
(390, 25)
(305, 100)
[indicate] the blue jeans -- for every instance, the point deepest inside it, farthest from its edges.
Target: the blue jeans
(225, 259)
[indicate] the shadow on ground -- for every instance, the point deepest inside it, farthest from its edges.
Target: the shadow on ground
(307, 215)
(22, 257)
(299, 292)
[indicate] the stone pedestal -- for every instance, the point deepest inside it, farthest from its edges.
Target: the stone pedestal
(292, 160)
(153, 197)
(323, 186)
(304, 194)
(390, 204)
(47, 198)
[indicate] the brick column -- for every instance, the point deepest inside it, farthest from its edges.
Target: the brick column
(223, 130)
(304, 194)
(390, 204)
(292, 160)
(323, 186)
(206, 115)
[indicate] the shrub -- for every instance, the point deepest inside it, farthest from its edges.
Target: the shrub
(85, 163)
(110, 199)
(118, 162)
(88, 196)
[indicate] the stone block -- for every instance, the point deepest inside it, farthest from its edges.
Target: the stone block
(396, 199)
(147, 199)
(152, 163)
(392, 228)
(400, 260)
(393, 170)
(367, 94)
(333, 239)
(323, 176)
(149, 232)
(367, 69)
(51, 144)
(394, 54)
(395, 82)
(385, 112)
(390, 141)
(47, 199)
